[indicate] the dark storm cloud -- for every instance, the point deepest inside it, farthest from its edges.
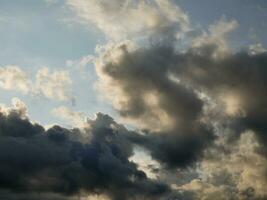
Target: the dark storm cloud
(153, 69)
(240, 74)
(235, 82)
(176, 149)
(147, 71)
(55, 164)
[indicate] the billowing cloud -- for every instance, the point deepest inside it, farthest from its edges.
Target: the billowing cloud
(235, 82)
(235, 171)
(184, 102)
(61, 163)
(143, 92)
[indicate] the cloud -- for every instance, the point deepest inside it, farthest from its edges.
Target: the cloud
(200, 116)
(121, 19)
(239, 172)
(14, 78)
(217, 35)
(80, 63)
(256, 49)
(235, 82)
(62, 163)
(54, 85)
(140, 88)
(184, 102)
(18, 106)
(77, 119)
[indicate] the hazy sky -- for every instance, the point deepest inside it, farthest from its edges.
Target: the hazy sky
(179, 87)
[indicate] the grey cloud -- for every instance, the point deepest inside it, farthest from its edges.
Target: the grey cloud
(165, 92)
(240, 75)
(54, 163)
(237, 80)
(177, 139)
(232, 174)
(167, 95)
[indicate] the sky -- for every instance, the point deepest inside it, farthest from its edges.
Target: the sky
(133, 99)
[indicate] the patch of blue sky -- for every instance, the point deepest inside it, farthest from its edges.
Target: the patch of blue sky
(37, 33)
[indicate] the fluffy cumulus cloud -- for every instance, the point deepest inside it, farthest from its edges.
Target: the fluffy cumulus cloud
(49, 84)
(14, 78)
(199, 113)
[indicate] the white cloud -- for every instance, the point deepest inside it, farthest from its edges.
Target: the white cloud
(121, 18)
(81, 65)
(12, 77)
(256, 49)
(76, 119)
(16, 105)
(217, 35)
(53, 84)
(50, 84)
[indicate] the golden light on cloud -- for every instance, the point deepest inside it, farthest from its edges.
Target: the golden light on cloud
(233, 104)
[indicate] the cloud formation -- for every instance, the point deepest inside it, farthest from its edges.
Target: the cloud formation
(54, 84)
(14, 78)
(63, 163)
(121, 18)
(199, 113)
(176, 97)
(185, 102)
(144, 93)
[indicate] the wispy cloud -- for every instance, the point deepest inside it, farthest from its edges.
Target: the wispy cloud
(123, 19)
